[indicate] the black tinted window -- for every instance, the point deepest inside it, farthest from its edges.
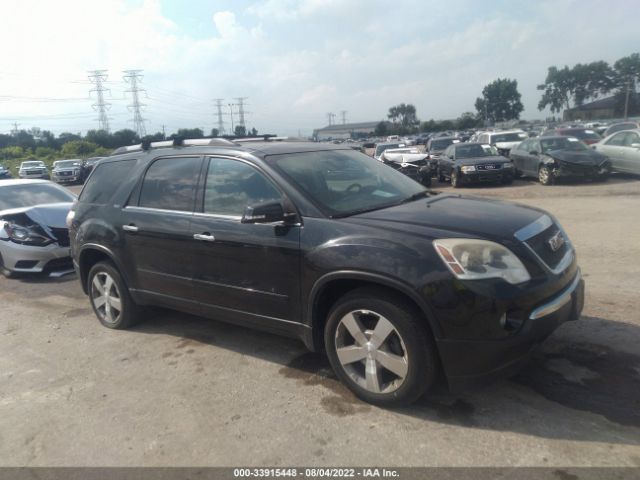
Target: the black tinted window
(170, 184)
(232, 185)
(105, 180)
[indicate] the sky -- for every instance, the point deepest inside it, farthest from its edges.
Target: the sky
(294, 60)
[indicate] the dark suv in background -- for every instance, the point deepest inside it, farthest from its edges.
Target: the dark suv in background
(328, 245)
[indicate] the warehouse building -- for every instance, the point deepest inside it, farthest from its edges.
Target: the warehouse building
(605, 108)
(346, 130)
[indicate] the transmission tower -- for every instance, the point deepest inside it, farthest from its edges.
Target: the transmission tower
(241, 111)
(330, 117)
(343, 115)
(98, 77)
(220, 121)
(133, 77)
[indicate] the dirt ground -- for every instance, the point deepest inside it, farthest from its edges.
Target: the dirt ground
(181, 390)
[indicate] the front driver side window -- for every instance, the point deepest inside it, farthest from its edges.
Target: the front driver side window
(617, 140)
(631, 138)
(232, 185)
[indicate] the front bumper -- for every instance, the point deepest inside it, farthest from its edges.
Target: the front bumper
(36, 175)
(65, 178)
(30, 259)
(575, 170)
(472, 362)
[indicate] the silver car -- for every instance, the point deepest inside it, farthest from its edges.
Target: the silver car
(34, 236)
(623, 149)
(33, 169)
(67, 171)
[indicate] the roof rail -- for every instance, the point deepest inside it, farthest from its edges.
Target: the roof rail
(268, 138)
(177, 142)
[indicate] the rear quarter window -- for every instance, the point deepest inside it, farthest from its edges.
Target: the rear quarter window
(105, 180)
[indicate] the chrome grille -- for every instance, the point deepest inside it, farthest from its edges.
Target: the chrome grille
(538, 238)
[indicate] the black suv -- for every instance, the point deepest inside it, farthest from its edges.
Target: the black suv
(395, 282)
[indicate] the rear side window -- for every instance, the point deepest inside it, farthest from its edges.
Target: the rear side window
(170, 184)
(105, 180)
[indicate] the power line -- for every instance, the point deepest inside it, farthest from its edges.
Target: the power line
(220, 121)
(133, 77)
(98, 77)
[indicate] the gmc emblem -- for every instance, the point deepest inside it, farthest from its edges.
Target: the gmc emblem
(556, 242)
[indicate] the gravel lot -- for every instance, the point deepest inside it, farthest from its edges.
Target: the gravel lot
(181, 390)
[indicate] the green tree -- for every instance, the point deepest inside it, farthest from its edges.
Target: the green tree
(100, 137)
(403, 117)
(125, 137)
(78, 148)
(240, 131)
(215, 132)
(381, 129)
(253, 132)
(466, 121)
(67, 137)
(500, 101)
(626, 78)
(12, 152)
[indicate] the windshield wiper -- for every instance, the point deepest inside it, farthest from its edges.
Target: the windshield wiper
(416, 196)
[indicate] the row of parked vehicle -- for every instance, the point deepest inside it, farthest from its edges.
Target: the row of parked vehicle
(62, 171)
(398, 284)
(501, 156)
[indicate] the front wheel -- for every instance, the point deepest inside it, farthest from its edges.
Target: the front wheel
(380, 348)
(545, 177)
(455, 180)
(110, 298)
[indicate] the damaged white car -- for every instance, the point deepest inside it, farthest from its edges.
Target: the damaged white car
(410, 161)
(34, 237)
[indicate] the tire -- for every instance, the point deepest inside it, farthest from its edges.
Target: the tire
(603, 177)
(5, 271)
(455, 180)
(544, 175)
(408, 347)
(507, 181)
(122, 311)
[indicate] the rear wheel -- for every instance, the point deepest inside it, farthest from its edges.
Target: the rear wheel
(379, 347)
(110, 298)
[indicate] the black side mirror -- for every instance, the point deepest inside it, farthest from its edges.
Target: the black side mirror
(533, 152)
(266, 212)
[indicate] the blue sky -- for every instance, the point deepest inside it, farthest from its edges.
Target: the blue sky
(295, 60)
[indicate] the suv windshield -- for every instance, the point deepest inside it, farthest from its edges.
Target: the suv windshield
(343, 183)
(564, 143)
(508, 137)
(441, 144)
(32, 164)
(18, 196)
(67, 163)
(473, 150)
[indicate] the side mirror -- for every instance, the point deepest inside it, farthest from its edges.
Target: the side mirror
(533, 152)
(266, 212)
(635, 145)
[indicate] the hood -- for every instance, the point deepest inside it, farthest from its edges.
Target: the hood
(483, 160)
(508, 145)
(405, 157)
(466, 216)
(51, 215)
(584, 157)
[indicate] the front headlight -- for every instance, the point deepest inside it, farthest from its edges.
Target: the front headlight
(27, 235)
(471, 259)
(468, 168)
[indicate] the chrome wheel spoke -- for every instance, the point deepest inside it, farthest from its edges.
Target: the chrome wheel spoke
(381, 332)
(115, 303)
(97, 285)
(99, 301)
(355, 329)
(108, 283)
(392, 362)
(351, 354)
(371, 375)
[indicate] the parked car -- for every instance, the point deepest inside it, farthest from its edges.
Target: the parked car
(411, 162)
(548, 158)
(618, 127)
(33, 234)
(381, 147)
(467, 163)
(504, 141)
(586, 135)
(396, 283)
(88, 165)
(4, 173)
(437, 145)
(67, 171)
(33, 169)
(623, 150)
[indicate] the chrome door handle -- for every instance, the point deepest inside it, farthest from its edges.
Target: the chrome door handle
(204, 237)
(130, 228)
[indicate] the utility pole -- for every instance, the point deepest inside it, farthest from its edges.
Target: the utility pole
(164, 135)
(133, 77)
(98, 77)
(220, 121)
(343, 114)
(241, 111)
(15, 130)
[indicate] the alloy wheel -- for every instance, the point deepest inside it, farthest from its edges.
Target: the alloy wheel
(371, 351)
(543, 175)
(106, 297)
